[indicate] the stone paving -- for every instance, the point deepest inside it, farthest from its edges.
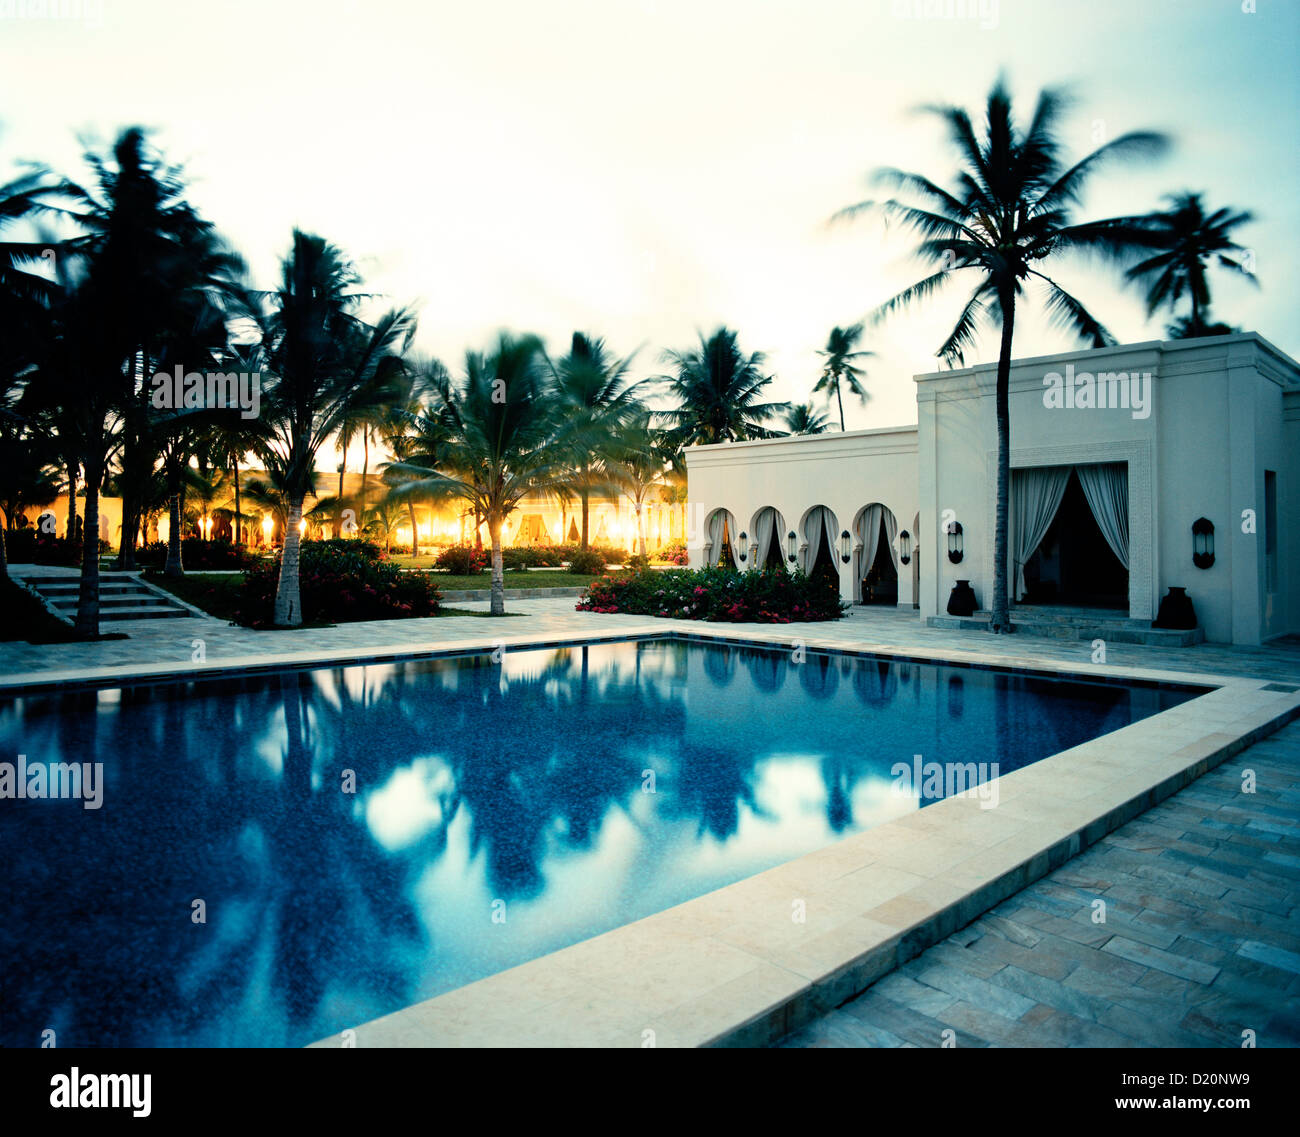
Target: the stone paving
(1201, 939)
(171, 642)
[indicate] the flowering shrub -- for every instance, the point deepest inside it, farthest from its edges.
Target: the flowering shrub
(463, 560)
(716, 594)
(197, 555)
(585, 562)
(339, 581)
(673, 554)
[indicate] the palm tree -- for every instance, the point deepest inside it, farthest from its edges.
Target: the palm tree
(382, 520)
(718, 389)
(1011, 209)
(325, 365)
(1188, 240)
(509, 436)
(805, 419)
(840, 370)
(638, 466)
(164, 269)
(593, 387)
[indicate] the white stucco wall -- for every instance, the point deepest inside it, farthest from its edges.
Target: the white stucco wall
(845, 472)
(1215, 425)
(1221, 412)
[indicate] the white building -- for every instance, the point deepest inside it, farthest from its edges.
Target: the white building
(1116, 454)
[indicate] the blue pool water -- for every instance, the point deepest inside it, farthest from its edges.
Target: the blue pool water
(518, 789)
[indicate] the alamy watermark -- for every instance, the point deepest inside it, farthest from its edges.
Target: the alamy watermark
(983, 11)
(931, 781)
(1107, 390)
(41, 780)
(88, 12)
(196, 390)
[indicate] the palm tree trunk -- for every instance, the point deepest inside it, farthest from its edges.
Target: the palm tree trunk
(239, 525)
(640, 532)
(72, 501)
(338, 505)
(87, 626)
(585, 496)
(130, 525)
(415, 534)
(288, 596)
(365, 467)
(498, 573)
(174, 567)
(840, 399)
(1001, 621)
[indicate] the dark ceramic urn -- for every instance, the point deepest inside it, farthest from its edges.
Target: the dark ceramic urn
(962, 602)
(1176, 611)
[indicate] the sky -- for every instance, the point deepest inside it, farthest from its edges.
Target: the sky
(645, 170)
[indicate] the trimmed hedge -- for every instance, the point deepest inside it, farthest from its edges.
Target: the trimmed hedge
(339, 582)
(718, 595)
(198, 555)
(586, 562)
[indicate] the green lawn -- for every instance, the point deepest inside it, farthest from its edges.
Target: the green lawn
(216, 593)
(531, 579)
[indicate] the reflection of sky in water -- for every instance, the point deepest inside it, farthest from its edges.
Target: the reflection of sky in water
(475, 783)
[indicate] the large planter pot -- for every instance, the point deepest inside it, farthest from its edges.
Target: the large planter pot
(962, 602)
(1176, 611)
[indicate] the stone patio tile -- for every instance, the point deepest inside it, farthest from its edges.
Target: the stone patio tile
(1161, 960)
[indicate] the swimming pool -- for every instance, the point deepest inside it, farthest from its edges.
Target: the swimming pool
(276, 857)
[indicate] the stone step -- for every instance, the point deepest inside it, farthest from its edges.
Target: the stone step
(46, 588)
(120, 600)
(142, 612)
(1079, 628)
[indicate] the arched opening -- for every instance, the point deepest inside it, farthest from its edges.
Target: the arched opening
(720, 544)
(768, 536)
(877, 560)
(819, 560)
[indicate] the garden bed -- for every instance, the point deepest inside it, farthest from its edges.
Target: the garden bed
(718, 595)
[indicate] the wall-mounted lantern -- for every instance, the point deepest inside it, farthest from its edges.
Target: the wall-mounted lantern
(792, 543)
(955, 543)
(845, 545)
(744, 545)
(905, 547)
(1202, 543)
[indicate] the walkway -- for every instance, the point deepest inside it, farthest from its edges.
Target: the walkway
(1200, 941)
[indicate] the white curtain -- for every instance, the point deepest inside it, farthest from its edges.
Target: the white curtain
(1106, 487)
(716, 525)
(869, 533)
(891, 535)
(1035, 497)
(767, 521)
(722, 526)
(820, 520)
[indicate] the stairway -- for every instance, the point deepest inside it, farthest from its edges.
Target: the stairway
(1078, 624)
(121, 597)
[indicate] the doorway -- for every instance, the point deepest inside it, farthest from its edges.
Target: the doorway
(1074, 565)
